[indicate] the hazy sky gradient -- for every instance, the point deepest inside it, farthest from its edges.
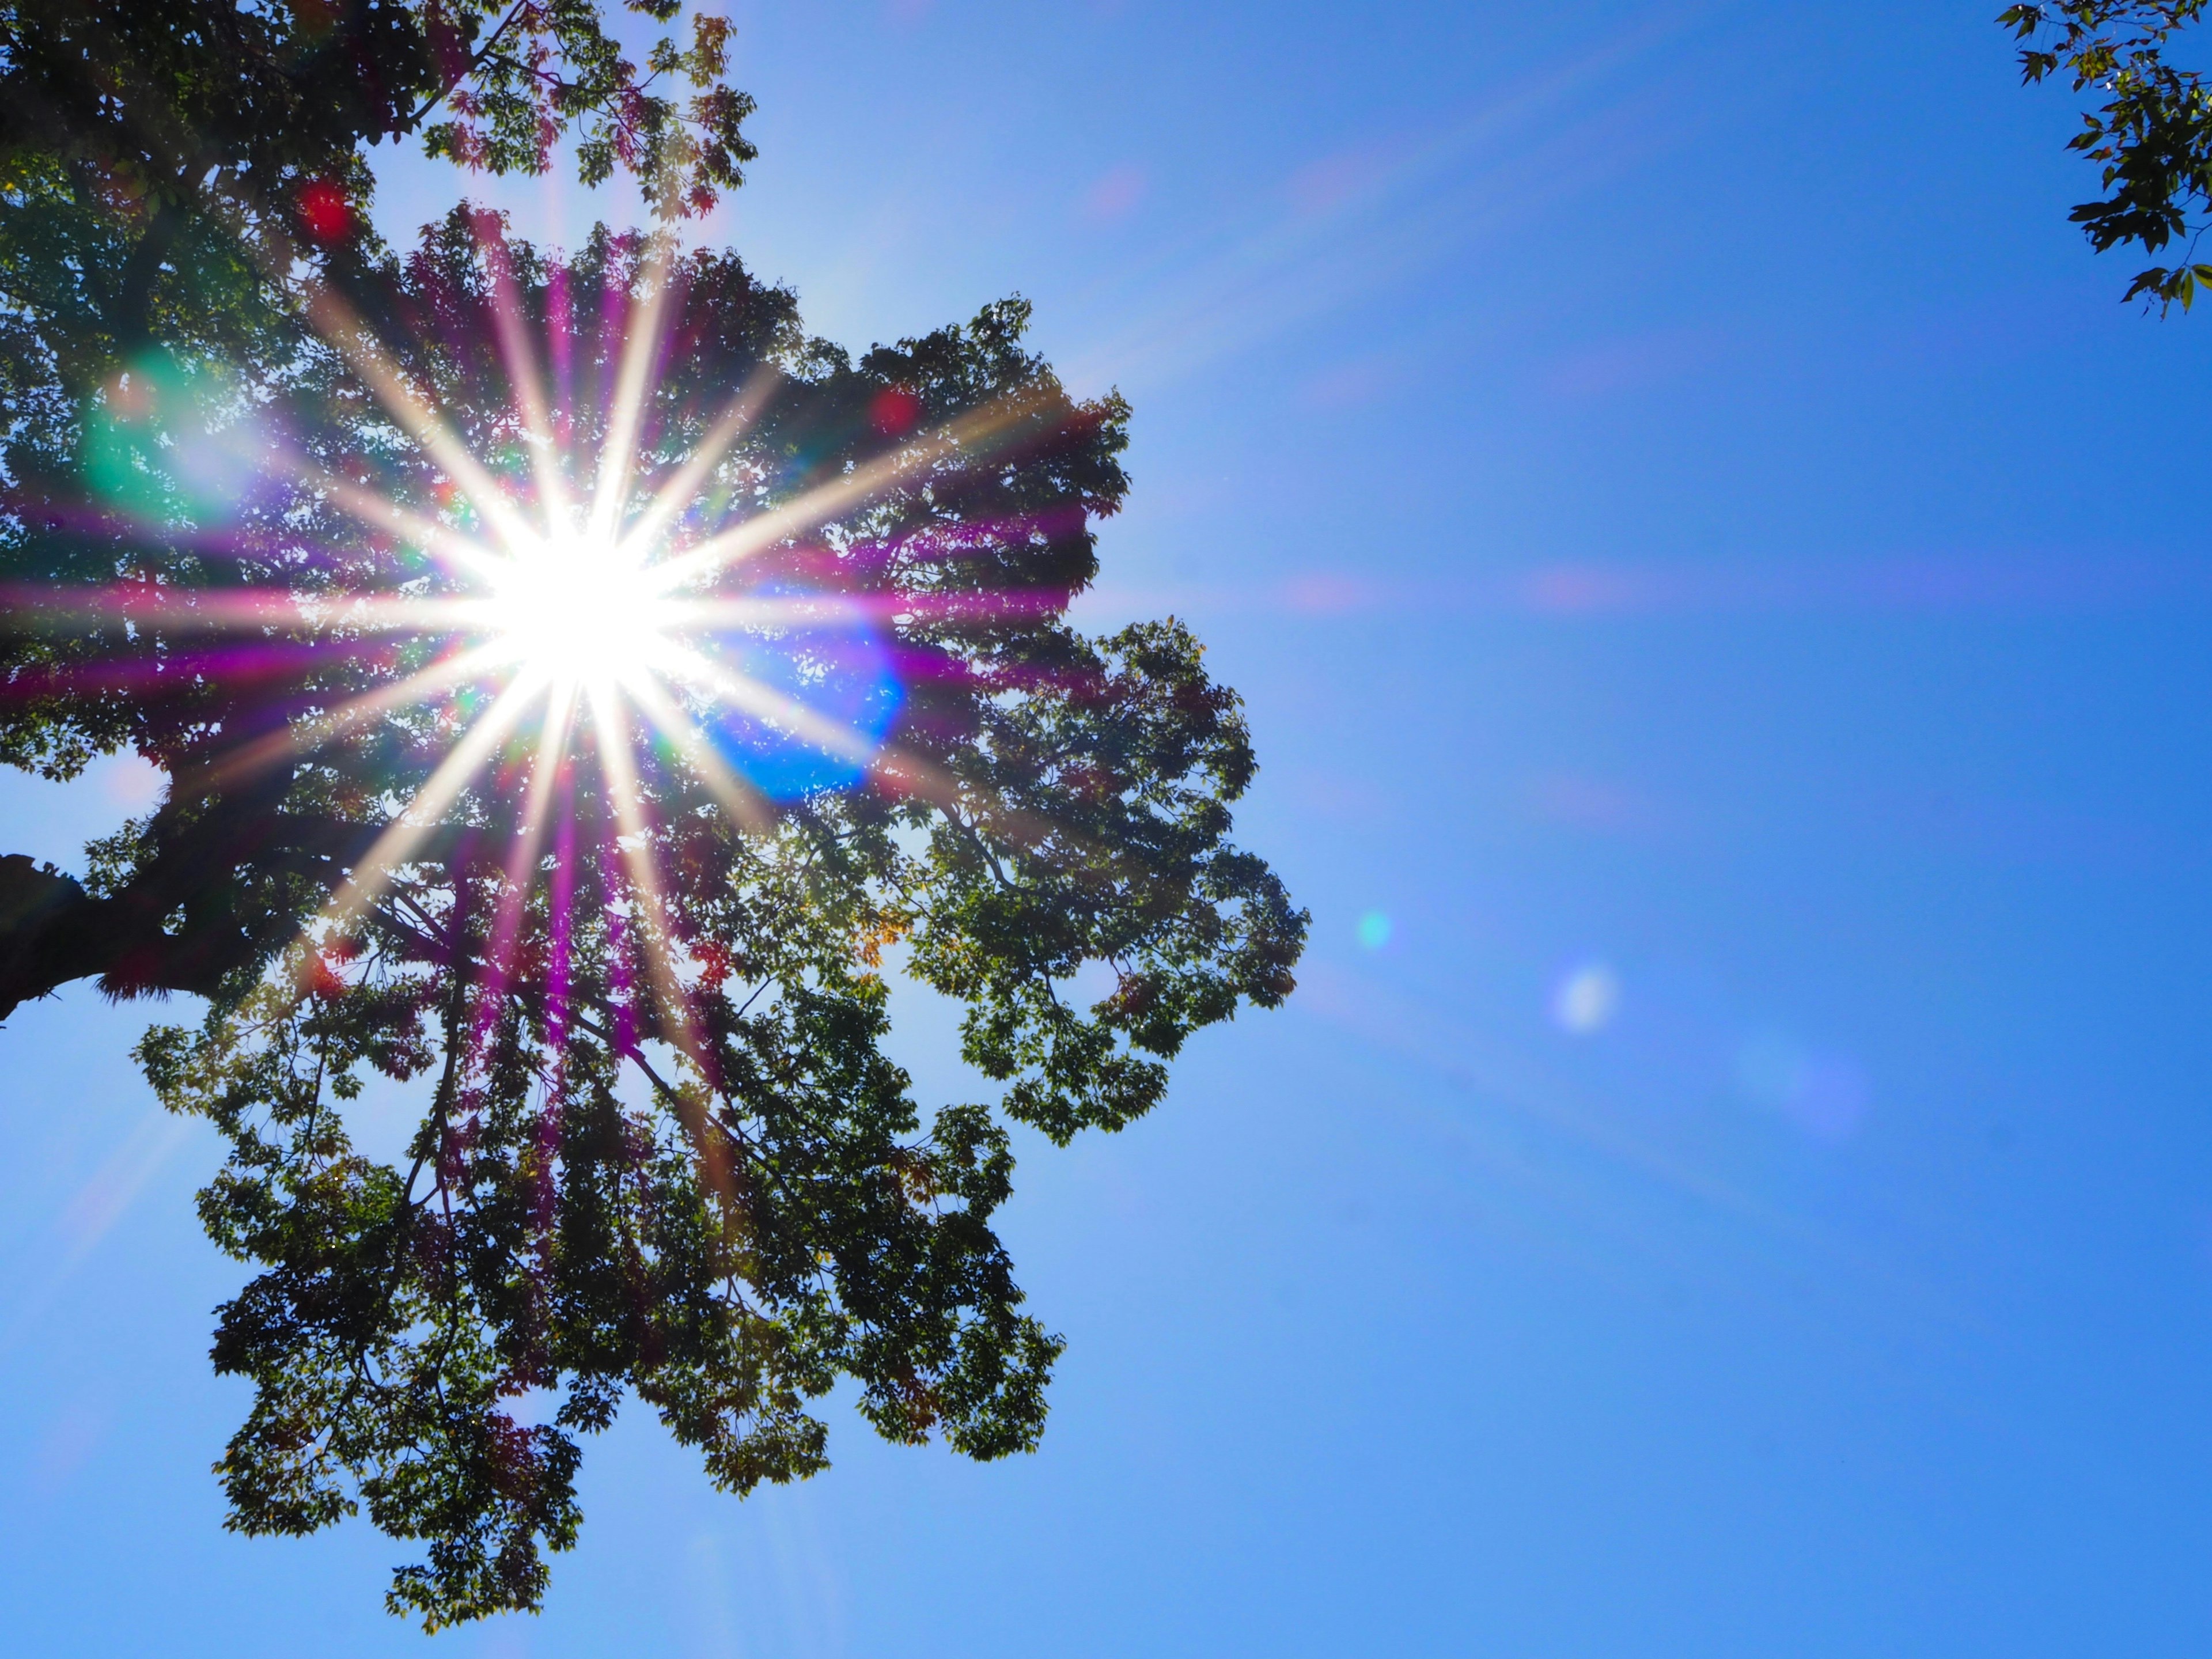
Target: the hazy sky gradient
(1721, 587)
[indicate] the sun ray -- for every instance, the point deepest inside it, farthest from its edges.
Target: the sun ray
(560, 908)
(634, 844)
(640, 346)
(548, 760)
(678, 1025)
(675, 494)
(414, 823)
(522, 373)
(335, 321)
(304, 737)
(825, 502)
(744, 803)
(382, 512)
(763, 701)
(625, 793)
(183, 612)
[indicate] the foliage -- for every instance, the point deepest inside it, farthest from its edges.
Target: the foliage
(665, 1153)
(164, 103)
(2152, 135)
(171, 171)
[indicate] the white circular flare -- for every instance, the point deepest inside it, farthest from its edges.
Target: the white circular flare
(1586, 1000)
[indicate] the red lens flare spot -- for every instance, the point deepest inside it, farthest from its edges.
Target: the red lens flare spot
(319, 975)
(894, 412)
(324, 210)
(130, 397)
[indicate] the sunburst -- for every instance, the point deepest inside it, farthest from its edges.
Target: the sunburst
(578, 604)
(577, 608)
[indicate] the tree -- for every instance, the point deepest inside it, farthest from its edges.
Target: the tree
(176, 179)
(579, 692)
(2152, 135)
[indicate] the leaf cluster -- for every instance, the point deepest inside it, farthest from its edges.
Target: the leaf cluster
(2151, 136)
(536, 69)
(185, 104)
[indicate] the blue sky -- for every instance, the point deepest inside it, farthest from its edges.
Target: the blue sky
(1720, 586)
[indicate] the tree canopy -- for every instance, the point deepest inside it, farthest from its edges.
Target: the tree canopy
(2151, 136)
(581, 695)
(180, 184)
(168, 104)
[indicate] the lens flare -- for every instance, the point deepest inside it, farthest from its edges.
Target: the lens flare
(823, 661)
(1825, 1095)
(1585, 1001)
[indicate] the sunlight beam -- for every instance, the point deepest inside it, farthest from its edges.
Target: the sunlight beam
(529, 387)
(382, 512)
(642, 332)
(335, 321)
(636, 844)
(415, 820)
(678, 491)
(751, 695)
(971, 433)
(549, 761)
(732, 793)
(305, 737)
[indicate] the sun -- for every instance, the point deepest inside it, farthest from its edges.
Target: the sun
(590, 602)
(576, 608)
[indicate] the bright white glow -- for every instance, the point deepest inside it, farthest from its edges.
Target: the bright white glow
(1586, 1000)
(578, 609)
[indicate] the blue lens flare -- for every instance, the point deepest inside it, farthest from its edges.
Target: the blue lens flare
(831, 668)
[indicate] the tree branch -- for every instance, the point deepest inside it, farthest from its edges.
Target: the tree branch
(53, 932)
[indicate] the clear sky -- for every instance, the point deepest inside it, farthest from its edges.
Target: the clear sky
(1722, 590)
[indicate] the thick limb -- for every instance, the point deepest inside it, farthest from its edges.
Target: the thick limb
(188, 918)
